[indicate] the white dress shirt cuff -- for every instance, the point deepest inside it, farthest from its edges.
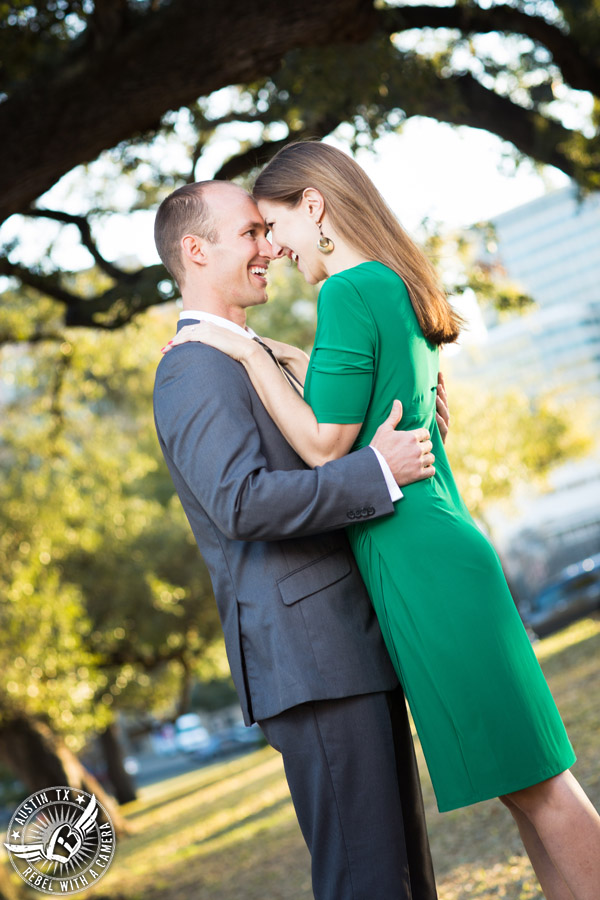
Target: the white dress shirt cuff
(395, 492)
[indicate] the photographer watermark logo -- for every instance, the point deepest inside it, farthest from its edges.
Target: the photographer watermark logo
(60, 840)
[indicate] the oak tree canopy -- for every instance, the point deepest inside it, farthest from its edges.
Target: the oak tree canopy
(79, 79)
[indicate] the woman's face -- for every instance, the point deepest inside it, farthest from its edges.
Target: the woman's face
(295, 233)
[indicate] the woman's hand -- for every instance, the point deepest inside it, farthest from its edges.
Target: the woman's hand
(235, 345)
(294, 359)
(442, 414)
(285, 353)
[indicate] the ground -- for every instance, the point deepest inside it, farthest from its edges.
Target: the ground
(228, 831)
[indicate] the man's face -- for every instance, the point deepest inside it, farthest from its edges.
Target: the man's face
(237, 263)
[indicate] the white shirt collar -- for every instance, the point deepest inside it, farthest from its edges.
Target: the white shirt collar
(202, 316)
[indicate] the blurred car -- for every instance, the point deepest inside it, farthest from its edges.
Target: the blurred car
(190, 734)
(230, 741)
(574, 594)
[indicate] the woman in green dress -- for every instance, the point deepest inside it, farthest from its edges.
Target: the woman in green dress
(484, 714)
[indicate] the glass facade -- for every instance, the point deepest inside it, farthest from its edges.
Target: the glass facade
(551, 248)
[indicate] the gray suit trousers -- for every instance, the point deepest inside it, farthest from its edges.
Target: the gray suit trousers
(353, 778)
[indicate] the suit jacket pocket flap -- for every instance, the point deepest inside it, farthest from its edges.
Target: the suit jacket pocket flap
(314, 577)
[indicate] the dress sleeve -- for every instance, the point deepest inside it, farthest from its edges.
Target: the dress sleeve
(343, 359)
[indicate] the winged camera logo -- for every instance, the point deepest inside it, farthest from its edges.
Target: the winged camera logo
(60, 840)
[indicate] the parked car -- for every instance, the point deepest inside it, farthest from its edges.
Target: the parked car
(574, 594)
(230, 742)
(190, 734)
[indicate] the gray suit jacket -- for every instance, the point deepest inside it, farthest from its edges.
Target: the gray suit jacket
(297, 621)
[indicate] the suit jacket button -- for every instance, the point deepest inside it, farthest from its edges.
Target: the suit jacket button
(371, 511)
(350, 513)
(364, 511)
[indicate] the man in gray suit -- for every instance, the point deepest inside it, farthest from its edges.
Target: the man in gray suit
(305, 650)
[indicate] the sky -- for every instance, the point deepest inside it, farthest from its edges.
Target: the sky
(454, 176)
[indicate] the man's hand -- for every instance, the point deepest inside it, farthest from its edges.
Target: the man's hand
(442, 414)
(407, 453)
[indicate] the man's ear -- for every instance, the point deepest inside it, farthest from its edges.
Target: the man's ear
(194, 248)
(313, 203)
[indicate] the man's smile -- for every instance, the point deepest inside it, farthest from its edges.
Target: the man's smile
(259, 272)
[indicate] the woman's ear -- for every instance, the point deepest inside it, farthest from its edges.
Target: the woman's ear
(313, 203)
(193, 248)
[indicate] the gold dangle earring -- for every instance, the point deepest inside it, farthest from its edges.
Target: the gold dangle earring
(324, 244)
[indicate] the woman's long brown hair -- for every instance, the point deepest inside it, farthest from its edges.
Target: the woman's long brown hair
(361, 216)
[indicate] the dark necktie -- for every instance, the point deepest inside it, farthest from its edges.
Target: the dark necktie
(291, 378)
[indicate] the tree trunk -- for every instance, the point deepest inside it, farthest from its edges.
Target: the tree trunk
(113, 756)
(185, 691)
(40, 759)
(117, 81)
(163, 59)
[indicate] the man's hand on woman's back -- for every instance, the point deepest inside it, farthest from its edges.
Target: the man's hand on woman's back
(407, 453)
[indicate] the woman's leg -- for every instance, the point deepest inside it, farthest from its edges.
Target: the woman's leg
(568, 827)
(550, 879)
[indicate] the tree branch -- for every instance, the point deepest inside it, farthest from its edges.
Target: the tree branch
(578, 69)
(45, 284)
(107, 20)
(108, 310)
(462, 100)
(147, 661)
(35, 338)
(86, 238)
(121, 303)
(255, 157)
(247, 118)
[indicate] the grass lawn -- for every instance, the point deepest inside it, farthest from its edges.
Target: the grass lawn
(228, 831)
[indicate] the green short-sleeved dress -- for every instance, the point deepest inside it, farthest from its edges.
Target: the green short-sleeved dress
(484, 713)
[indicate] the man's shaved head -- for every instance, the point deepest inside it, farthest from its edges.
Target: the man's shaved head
(191, 209)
